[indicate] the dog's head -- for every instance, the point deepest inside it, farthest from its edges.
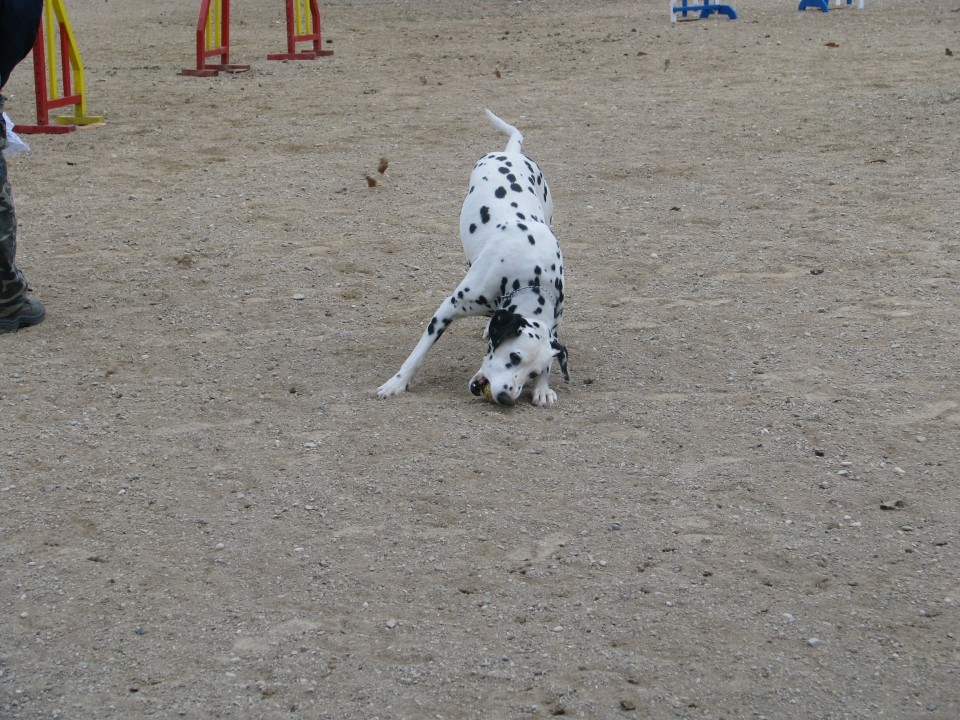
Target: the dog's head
(518, 350)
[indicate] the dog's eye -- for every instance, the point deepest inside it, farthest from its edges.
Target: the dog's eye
(514, 358)
(534, 375)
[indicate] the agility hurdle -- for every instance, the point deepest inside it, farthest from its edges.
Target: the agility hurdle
(213, 41)
(303, 26)
(705, 8)
(53, 90)
(824, 5)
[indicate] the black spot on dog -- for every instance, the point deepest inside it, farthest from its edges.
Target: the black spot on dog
(532, 241)
(522, 226)
(500, 192)
(516, 188)
(484, 214)
(473, 228)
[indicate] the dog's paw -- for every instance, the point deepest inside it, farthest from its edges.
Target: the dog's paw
(544, 397)
(393, 386)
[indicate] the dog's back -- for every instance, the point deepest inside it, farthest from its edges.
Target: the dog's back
(505, 187)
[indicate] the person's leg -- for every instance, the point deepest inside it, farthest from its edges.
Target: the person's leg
(16, 310)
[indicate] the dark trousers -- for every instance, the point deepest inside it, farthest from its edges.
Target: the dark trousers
(13, 286)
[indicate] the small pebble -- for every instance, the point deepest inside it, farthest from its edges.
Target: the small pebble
(814, 642)
(299, 296)
(615, 526)
(391, 623)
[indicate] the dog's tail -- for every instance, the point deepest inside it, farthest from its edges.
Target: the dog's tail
(515, 143)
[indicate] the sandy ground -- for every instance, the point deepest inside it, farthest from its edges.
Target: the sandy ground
(745, 503)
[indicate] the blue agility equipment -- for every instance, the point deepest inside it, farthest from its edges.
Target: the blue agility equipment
(824, 5)
(705, 8)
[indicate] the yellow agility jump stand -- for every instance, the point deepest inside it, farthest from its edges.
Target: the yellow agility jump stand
(56, 90)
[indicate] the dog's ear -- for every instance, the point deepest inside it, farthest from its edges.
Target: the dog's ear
(560, 353)
(503, 325)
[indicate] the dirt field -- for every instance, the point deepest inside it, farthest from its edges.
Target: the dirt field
(745, 503)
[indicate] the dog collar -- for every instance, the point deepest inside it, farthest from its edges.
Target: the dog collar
(505, 300)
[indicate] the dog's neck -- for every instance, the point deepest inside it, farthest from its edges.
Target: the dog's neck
(525, 301)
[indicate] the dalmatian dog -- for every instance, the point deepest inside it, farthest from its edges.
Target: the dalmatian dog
(515, 278)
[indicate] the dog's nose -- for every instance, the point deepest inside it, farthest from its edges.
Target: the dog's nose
(505, 398)
(477, 385)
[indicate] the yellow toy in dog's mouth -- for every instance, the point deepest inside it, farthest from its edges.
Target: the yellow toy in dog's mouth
(488, 393)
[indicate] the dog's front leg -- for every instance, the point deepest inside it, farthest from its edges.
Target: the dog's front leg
(446, 314)
(541, 391)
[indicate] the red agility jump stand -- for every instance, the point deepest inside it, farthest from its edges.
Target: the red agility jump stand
(213, 37)
(213, 41)
(303, 25)
(48, 85)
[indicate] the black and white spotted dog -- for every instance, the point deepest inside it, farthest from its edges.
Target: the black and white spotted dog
(515, 278)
